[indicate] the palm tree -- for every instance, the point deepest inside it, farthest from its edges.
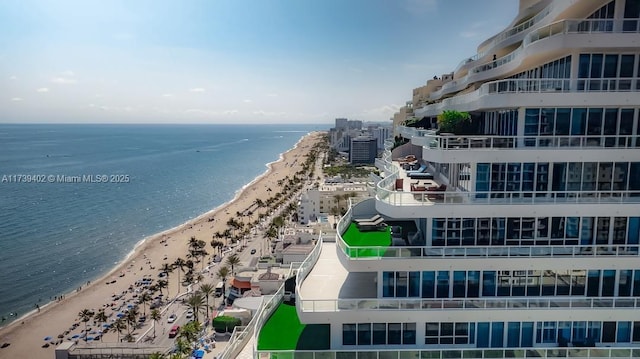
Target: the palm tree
(132, 318)
(128, 338)
(223, 273)
(118, 326)
(179, 264)
(101, 317)
(196, 303)
(144, 298)
(232, 261)
(85, 316)
(163, 284)
(157, 355)
(155, 316)
(207, 289)
(167, 268)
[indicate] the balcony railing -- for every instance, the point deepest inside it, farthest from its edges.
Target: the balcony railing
(468, 353)
(360, 304)
(451, 142)
(567, 26)
(387, 194)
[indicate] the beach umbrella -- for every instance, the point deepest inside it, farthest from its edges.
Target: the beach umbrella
(120, 315)
(46, 339)
(76, 336)
(106, 325)
(89, 338)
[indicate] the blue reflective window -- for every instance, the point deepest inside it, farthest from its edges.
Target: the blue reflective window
(483, 335)
(497, 334)
(443, 284)
(608, 283)
(624, 332)
(459, 284)
(527, 335)
(489, 284)
(634, 228)
(388, 284)
(513, 334)
(593, 283)
(428, 284)
(414, 284)
(348, 334)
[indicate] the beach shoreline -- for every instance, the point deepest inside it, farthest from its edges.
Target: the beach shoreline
(150, 253)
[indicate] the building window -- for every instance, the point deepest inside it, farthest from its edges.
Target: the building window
(449, 333)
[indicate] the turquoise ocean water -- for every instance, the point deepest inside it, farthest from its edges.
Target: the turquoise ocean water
(56, 236)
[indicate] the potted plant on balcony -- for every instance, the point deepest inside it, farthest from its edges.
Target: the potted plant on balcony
(452, 121)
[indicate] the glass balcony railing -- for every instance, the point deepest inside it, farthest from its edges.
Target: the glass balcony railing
(387, 193)
(467, 353)
(506, 303)
(568, 26)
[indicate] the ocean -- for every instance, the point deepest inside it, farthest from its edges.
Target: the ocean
(76, 199)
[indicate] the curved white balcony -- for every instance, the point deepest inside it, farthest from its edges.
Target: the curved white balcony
(533, 44)
(512, 93)
(509, 36)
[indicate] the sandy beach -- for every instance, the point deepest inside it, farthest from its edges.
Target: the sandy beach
(26, 335)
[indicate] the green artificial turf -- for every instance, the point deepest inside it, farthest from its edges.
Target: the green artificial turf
(355, 238)
(283, 331)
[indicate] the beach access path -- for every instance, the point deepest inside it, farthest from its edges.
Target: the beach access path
(26, 335)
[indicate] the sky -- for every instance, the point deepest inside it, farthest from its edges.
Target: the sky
(230, 61)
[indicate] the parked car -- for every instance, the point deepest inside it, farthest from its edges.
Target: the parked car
(189, 314)
(172, 318)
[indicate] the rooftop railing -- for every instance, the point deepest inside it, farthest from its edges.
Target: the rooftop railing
(468, 353)
(506, 303)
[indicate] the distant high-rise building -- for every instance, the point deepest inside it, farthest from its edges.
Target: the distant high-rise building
(354, 124)
(381, 134)
(342, 124)
(362, 150)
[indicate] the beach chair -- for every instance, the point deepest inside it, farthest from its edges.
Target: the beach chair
(364, 220)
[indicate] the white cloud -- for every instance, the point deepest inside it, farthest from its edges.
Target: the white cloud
(246, 101)
(42, 89)
(63, 80)
(167, 95)
(16, 99)
(68, 73)
(272, 95)
(12, 78)
(230, 112)
(197, 89)
(202, 112)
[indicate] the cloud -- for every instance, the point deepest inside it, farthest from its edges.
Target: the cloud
(197, 89)
(246, 101)
(384, 110)
(469, 34)
(272, 95)
(16, 99)
(12, 77)
(63, 80)
(202, 112)
(68, 73)
(42, 89)
(167, 95)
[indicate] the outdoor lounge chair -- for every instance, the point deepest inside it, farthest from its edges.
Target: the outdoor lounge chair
(371, 219)
(419, 170)
(377, 222)
(421, 175)
(372, 227)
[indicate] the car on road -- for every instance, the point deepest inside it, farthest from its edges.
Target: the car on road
(189, 314)
(172, 318)
(253, 251)
(174, 331)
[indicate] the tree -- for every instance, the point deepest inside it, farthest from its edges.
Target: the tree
(189, 332)
(207, 289)
(101, 317)
(143, 299)
(452, 121)
(85, 316)
(167, 268)
(179, 263)
(163, 284)
(196, 302)
(223, 273)
(132, 318)
(118, 326)
(155, 316)
(156, 355)
(232, 261)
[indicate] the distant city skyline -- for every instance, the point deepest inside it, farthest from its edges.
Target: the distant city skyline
(270, 61)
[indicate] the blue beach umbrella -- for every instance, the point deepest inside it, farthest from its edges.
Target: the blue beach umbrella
(46, 339)
(89, 338)
(76, 336)
(120, 315)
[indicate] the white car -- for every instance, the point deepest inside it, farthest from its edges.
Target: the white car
(189, 314)
(172, 318)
